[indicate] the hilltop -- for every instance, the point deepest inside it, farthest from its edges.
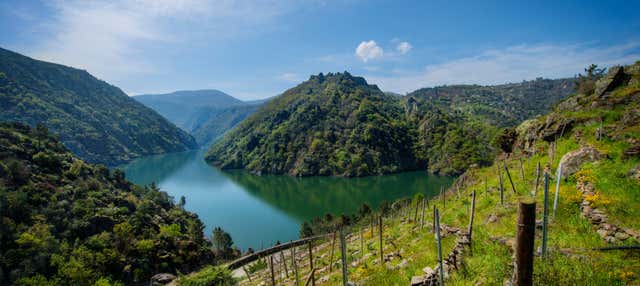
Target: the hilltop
(95, 120)
(338, 124)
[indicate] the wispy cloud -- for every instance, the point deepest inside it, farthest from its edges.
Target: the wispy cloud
(511, 64)
(108, 37)
(289, 77)
(403, 47)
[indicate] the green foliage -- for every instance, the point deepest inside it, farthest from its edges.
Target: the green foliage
(86, 225)
(208, 276)
(95, 120)
(305, 230)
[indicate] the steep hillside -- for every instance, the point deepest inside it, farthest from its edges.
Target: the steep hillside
(337, 124)
(95, 120)
(210, 123)
(502, 105)
(66, 222)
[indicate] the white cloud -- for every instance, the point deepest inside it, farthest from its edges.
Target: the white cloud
(511, 64)
(290, 77)
(404, 47)
(368, 50)
(107, 38)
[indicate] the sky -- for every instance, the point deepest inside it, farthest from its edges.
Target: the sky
(257, 49)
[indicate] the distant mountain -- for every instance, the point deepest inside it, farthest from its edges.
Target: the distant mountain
(206, 114)
(95, 120)
(337, 124)
(502, 105)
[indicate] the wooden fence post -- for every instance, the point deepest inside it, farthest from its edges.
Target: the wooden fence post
(524, 242)
(284, 264)
(247, 273)
(501, 186)
(434, 219)
(545, 217)
(437, 217)
(311, 278)
(555, 200)
(361, 244)
(535, 189)
(521, 169)
(333, 243)
(381, 246)
(313, 270)
(422, 215)
(343, 250)
(513, 187)
(443, 194)
(295, 265)
(473, 211)
(273, 275)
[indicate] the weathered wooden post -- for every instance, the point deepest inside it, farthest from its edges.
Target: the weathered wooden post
(521, 169)
(501, 183)
(247, 273)
(535, 188)
(415, 217)
(555, 200)
(381, 246)
(284, 264)
(333, 243)
(313, 279)
(343, 250)
(295, 265)
(437, 218)
(422, 215)
(273, 274)
(361, 244)
(513, 187)
(524, 242)
(442, 194)
(473, 210)
(545, 216)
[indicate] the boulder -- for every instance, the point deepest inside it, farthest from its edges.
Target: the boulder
(631, 152)
(614, 78)
(634, 173)
(573, 161)
(162, 279)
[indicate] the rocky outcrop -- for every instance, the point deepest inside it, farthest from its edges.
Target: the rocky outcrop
(572, 161)
(161, 279)
(607, 231)
(614, 78)
(450, 263)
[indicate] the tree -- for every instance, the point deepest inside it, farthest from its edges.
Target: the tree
(305, 230)
(506, 139)
(183, 201)
(385, 207)
(364, 210)
(222, 241)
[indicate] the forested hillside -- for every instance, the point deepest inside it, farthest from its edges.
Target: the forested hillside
(337, 124)
(502, 105)
(67, 222)
(95, 120)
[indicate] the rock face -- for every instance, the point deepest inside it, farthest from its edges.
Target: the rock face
(162, 279)
(614, 77)
(572, 161)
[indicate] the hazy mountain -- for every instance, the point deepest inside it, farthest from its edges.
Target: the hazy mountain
(95, 120)
(206, 114)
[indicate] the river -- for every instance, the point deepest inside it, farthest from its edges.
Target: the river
(259, 210)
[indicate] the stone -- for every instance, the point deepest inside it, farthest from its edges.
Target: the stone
(634, 173)
(419, 280)
(162, 279)
(614, 78)
(631, 152)
(572, 161)
(603, 233)
(492, 218)
(621, 236)
(428, 270)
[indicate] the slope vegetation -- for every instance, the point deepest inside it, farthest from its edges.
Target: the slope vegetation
(95, 120)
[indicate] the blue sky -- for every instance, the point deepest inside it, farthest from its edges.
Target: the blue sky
(256, 49)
